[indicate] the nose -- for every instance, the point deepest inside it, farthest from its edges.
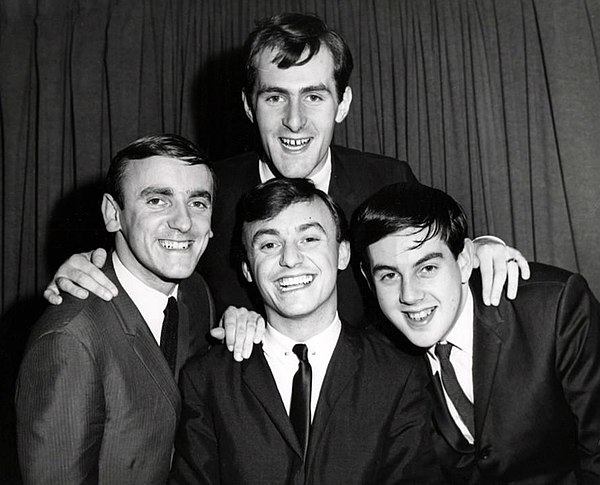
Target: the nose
(294, 118)
(290, 256)
(180, 218)
(410, 291)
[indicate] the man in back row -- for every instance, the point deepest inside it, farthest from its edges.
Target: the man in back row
(516, 388)
(296, 90)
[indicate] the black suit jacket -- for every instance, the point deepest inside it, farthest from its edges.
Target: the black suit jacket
(371, 424)
(355, 176)
(536, 383)
(96, 401)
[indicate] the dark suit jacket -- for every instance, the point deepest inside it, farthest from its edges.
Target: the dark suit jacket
(536, 382)
(371, 424)
(96, 401)
(355, 176)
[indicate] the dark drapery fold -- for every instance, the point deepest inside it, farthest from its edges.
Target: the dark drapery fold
(495, 101)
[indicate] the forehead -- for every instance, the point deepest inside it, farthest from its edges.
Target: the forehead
(166, 172)
(295, 218)
(318, 70)
(404, 247)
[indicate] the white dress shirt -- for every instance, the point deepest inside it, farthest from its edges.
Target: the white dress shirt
(461, 358)
(150, 302)
(321, 179)
(284, 363)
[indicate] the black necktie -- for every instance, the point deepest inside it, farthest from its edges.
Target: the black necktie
(300, 406)
(455, 393)
(168, 334)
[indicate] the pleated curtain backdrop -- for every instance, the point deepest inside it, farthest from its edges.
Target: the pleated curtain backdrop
(494, 101)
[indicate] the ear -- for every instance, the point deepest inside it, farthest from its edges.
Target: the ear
(465, 261)
(343, 255)
(111, 213)
(344, 106)
(248, 107)
(246, 272)
(366, 276)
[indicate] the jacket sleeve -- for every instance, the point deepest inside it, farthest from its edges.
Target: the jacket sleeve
(60, 412)
(196, 459)
(578, 367)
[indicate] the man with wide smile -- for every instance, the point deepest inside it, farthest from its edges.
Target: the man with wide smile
(515, 388)
(320, 401)
(97, 398)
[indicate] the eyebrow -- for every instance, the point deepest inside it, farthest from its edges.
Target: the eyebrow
(167, 191)
(301, 228)
(424, 259)
(307, 89)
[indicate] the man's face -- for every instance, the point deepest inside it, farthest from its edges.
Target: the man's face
(164, 224)
(296, 110)
(294, 259)
(420, 290)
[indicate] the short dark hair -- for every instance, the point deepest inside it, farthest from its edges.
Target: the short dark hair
(267, 200)
(403, 206)
(167, 145)
(289, 34)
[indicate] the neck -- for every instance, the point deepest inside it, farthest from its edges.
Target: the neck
(302, 328)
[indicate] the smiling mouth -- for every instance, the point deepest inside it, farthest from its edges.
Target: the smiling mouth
(291, 283)
(421, 316)
(175, 245)
(294, 144)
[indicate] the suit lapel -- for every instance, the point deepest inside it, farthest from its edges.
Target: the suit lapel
(256, 374)
(143, 343)
(343, 365)
(488, 331)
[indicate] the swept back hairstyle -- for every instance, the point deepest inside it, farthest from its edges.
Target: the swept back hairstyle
(403, 206)
(167, 145)
(267, 200)
(288, 35)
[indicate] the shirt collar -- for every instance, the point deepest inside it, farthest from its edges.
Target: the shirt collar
(321, 179)
(461, 334)
(274, 342)
(150, 302)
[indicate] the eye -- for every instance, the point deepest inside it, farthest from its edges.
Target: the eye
(314, 98)
(200, 204)
(274, 99)
(269, 246)
(428, 270)
(311, 239)
(387, 277)
(155, 202)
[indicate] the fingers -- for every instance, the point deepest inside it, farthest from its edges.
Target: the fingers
(499, 264)
(52, 294)
(98, 257)
(516, 264)
(242, 328)
(78, 276)
(485, 263)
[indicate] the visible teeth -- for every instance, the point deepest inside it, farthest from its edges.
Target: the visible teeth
(294, 282)
(169, 244)
(418, 316)
(294, 143)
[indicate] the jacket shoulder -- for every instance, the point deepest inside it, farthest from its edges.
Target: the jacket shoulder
(392, 169)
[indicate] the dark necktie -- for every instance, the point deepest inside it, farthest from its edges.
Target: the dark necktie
(455, 393)
(300, 406)
(168, 334)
